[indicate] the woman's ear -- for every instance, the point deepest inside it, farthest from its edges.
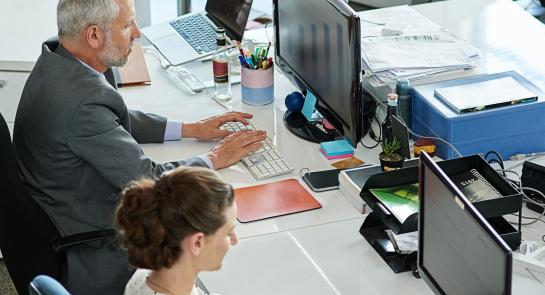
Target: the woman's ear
(94, 36)
(195, 243)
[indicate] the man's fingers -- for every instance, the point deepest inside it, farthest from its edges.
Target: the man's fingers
(253, 136)
(236, 117)
(242, 114)
(224, 133)
(251, 147)
(238, 134)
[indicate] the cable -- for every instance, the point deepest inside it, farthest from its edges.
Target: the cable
(529, 160)
(435, 138)
(492, 152)
(369, 115)
(419, 135)
(410, 131)
(373, 136)
(164, 63)
(499, 160)
(518, 186)
(267, 33)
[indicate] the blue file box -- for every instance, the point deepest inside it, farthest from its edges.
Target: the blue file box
(508, 130)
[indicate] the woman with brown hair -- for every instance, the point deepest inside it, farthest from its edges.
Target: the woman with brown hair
(175, 227)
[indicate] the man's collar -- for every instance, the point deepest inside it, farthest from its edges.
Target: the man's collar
(53, 45)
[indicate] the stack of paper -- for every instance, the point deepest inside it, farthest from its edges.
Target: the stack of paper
(336, 149)
(423, 50)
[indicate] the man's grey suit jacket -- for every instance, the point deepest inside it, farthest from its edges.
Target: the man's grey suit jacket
(76, 146)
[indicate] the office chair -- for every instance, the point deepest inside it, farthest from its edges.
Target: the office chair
(29, 241)
(44, 285)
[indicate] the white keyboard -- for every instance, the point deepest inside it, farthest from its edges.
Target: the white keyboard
(266, 161)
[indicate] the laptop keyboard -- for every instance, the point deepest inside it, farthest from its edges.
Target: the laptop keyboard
(197, 31)
(265, 162)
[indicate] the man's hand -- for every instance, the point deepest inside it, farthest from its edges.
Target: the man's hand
(235, 146)
(210, 128)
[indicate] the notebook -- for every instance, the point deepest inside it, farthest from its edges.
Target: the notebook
(486, 94)
(192, 36)
(135, 72)
(273, 199)
(475, 186)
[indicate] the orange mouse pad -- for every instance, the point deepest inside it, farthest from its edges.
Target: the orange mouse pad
(273, 199)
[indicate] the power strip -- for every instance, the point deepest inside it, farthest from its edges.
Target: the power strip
(533, 175)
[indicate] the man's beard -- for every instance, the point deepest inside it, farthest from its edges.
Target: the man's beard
(111, 55)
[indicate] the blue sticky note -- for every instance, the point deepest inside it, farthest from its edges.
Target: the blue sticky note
(337, 147)
(309, 105)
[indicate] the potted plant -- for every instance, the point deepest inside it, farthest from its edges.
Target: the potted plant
(390, 159)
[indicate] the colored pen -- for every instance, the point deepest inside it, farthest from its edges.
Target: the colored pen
(259, 62)
(243, 61)
(250, 62)
(264, 64)
(267, 52)
(240, 49)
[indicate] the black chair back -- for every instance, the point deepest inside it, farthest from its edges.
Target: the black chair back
(26, 231)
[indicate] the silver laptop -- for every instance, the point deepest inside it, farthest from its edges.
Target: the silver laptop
(192, 36)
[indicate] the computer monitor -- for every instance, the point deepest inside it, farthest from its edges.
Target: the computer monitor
(318, 46)
(458, 251)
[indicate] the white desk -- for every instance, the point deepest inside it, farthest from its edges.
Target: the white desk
(10, 93)
(176, 104)
(327, 259)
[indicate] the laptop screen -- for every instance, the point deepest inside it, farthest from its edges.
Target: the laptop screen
(458, 251)
(232, 15)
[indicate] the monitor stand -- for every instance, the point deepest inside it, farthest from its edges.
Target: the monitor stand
(301, 127)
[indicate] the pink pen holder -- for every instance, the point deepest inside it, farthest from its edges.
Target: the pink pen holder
(257, 86)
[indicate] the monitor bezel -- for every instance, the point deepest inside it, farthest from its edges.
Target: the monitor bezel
(357, 128)
(427, 162)
(234, 33)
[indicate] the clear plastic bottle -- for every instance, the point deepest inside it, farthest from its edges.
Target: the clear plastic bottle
(391, 110)
(221, 68)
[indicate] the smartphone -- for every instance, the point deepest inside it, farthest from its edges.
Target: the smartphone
(321, 181)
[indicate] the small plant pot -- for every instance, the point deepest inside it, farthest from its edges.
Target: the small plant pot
(393, 162)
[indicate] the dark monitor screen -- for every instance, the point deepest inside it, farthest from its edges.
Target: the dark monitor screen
(232, 15)
(318, 45)
(458, 251)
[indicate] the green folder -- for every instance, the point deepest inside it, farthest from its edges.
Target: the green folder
(401, 201)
